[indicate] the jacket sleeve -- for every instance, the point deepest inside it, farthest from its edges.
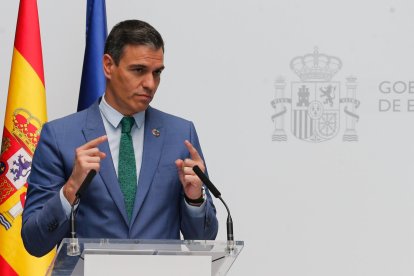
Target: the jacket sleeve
(202, 226)
(44, 220)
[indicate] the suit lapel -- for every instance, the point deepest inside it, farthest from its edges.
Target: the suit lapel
(94, 128)
(153, 144)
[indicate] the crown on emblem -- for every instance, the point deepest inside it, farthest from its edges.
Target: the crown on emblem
(26, 127)
(315, 66)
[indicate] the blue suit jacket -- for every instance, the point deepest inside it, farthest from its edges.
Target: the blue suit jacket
(159, 212)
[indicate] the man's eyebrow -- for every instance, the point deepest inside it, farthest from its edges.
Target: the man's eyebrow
(137, 65)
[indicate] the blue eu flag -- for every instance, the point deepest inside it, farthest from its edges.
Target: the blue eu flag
(93, 79)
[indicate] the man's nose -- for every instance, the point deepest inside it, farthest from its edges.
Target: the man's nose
(149, 82)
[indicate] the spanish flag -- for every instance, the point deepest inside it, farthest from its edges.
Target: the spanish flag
(25, 115)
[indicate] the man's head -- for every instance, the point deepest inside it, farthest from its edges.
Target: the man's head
(131, 32)
(133, 62)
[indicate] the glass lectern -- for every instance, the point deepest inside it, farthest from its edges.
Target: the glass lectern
(145, 257)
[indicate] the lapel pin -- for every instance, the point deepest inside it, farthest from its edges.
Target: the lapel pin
(156, 132)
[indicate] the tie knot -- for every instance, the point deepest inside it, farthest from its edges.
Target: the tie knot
(127, 123)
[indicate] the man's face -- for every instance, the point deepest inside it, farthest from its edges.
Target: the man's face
(132, 83)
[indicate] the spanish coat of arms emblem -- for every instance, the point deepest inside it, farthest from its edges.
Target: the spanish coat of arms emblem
(315, 101)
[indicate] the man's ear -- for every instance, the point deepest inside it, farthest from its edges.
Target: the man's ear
(108, 64)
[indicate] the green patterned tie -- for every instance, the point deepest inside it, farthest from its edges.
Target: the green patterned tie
(127, 173)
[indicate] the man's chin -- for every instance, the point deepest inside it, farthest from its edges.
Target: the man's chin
(140, 107)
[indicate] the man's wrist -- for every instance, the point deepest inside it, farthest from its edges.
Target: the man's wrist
(198, 201)
(69, 195)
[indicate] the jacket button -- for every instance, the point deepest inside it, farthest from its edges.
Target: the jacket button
(52, 226)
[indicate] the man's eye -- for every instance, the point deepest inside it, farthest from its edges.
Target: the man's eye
(158, 72)
(138, 70)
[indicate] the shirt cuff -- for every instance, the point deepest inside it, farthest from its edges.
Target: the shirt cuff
(65, 204)
(196, 211)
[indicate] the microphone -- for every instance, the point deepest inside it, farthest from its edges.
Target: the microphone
(217, 194)
(73, 248)
(85, 184)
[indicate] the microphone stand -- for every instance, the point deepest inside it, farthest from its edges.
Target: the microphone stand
(229, 224)
(73, 248)
(217, 194)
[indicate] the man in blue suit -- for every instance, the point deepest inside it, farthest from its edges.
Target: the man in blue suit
(169, 197)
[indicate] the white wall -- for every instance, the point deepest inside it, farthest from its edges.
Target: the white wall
(330, 208)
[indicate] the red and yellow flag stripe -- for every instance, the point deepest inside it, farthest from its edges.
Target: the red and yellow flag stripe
(25, 115)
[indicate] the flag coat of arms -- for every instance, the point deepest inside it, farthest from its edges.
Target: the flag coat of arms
(24, 117)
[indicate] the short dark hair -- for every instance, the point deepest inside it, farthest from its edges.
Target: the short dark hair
(131, 32)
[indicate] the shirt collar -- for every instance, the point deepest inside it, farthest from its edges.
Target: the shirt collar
(114, 117)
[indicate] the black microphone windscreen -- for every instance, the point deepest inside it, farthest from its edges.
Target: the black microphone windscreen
(85, 183)
(206, 181)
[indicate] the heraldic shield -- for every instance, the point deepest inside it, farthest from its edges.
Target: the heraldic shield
(315, 110)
